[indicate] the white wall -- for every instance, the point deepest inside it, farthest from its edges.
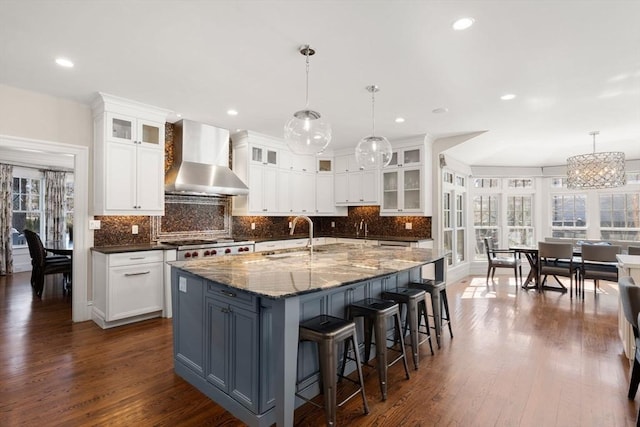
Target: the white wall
(32, 123)
(37, 116)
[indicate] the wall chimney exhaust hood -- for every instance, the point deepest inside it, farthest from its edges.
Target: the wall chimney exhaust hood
(201, 159)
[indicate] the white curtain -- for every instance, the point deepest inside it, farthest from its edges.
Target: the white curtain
(6, 212)
(54, 204)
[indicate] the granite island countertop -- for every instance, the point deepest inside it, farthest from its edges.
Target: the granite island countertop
(285, 273)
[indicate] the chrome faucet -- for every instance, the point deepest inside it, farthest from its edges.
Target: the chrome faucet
(293, 227)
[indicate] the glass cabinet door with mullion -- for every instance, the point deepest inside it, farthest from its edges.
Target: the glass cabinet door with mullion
(411, 189)
(390, 190)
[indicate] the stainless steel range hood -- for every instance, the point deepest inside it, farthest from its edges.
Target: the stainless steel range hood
(201, 159)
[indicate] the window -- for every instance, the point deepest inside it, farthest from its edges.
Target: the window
(454, 216)
(569, 215)
(485, 183)
(460, 229)
(485, 221)
(447, 177)
(27, 208)
(520, 183)
(520, 220)
(620, 216)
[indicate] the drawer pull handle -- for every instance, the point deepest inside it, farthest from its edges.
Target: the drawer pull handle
(227, 293)
(137, 257)
(137, 274)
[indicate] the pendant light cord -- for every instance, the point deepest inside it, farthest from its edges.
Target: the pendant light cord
(306, 103)
(373, 112)
(594, 133)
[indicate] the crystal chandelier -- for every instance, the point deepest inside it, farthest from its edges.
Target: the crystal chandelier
(373, 151)
(596, 170)
(306, 132)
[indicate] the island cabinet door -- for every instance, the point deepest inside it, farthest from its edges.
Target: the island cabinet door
(188, 321)
(232, 356)
(217, 344)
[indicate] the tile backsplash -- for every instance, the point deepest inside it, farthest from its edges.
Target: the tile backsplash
(266, 227)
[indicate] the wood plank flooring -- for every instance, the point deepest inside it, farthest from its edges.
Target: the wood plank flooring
(517, 359)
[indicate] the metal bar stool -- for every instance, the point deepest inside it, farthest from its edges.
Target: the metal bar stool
(327, 332)
(416, 302)
(439, 304)
(375, 313)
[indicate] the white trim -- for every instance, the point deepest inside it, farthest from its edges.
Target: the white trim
(82, 239)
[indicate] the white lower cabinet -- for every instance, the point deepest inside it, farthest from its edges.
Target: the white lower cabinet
(127, 287)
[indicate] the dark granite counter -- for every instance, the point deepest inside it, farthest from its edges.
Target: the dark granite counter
(131, 248)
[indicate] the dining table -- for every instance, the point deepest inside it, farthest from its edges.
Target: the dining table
(59, 247)
(62, 247)
(532, 253)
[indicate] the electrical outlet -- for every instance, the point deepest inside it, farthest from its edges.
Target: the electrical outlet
(182, 284)
(134, 229)
(408, 226)
(94, 224)
(253, 225)
(333, 224)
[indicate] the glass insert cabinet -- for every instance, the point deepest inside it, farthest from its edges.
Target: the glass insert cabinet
(401, 190)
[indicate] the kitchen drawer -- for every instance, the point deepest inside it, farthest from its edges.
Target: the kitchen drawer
(135, 258)
(230, 296)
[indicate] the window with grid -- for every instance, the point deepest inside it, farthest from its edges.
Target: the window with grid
(520, 229)
(447, 225)
(27, 208)
(569, 215)
(620, 216)
(460, 229)
(485, 221)
(485, 183)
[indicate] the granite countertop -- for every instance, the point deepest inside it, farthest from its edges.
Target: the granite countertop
(281, 274)
(131, 248)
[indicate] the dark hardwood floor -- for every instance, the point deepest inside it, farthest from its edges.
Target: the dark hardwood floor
(517, 359)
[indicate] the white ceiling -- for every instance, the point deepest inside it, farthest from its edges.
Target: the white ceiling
(574, 66)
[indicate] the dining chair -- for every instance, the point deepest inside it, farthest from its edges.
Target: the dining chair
(633, 250)
(630, 301)
(599, 262)
(556, 259)
(501, 258)
(42, 265)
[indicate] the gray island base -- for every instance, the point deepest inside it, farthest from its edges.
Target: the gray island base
(235, 319)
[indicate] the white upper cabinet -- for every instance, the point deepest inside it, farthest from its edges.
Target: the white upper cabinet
(128, 157)
(406, 182)
(354, 186)
(280, 182)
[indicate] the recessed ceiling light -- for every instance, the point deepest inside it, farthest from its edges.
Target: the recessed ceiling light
(399, 119)
(232, 112)
(440, 110)
(508, 97)
(178, 115)
(63, 62)
(462, 24)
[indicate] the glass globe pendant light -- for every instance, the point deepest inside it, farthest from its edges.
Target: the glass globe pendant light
(306, 132)
(373, 151)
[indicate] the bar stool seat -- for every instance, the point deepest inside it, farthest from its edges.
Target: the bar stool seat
(439, 304)
(416, 302)
(375, 313)
(327, 332)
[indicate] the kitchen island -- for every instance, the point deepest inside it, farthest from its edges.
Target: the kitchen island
(236, 318)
